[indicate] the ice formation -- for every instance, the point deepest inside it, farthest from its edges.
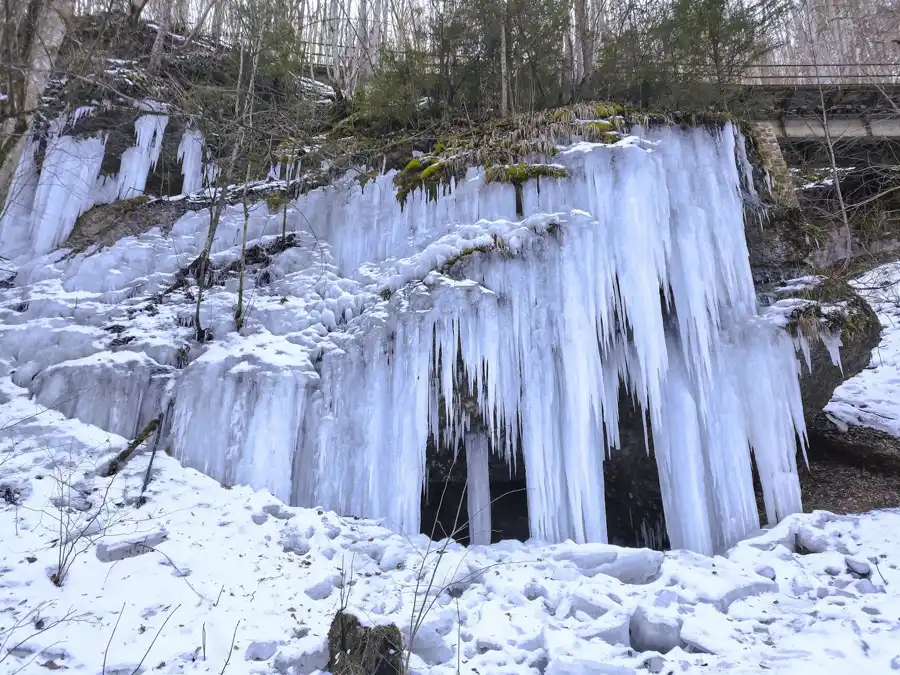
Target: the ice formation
(42, 206)
(190, 154)
(649, 285)
(44, 201)
(137, 162)
(631, 275)
(479, 488)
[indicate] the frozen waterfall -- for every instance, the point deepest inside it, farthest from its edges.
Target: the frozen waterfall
(633, 270)
(499, 336)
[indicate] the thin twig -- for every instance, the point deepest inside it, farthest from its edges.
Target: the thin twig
(106, 651)
(231, 648)
(138, 667)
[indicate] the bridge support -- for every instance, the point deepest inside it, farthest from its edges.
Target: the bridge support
(773, 161)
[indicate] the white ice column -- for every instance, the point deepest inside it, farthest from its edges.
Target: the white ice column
(479, 488)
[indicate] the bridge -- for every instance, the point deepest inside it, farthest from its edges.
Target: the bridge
(801, 117)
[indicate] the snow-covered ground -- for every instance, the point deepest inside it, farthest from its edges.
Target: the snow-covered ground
(872, 398)
(229, 575)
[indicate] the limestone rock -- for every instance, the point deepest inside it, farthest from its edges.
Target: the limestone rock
(857, 566)
(109, 551)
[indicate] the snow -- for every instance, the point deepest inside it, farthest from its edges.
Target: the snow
(872, 398)
(231, 575)
(354, 333)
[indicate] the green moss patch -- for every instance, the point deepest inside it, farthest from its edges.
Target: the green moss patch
(276, 200)
(519, 173)
(430, 174)
(855, 317)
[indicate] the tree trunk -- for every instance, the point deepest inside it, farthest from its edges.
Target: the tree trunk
(504, 70)
(239, 312)
(43, 40)
(583, 33)
(156, 52)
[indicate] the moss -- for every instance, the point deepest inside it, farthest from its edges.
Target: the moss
(554, 229)
(562, 115)
(428, 173)
(608, 109)
(364, 178)
(276, 200)
(603, 131)
(448, 265)
(519, 173)
(385, 293)
(601, 126)
(439, 148)
(855, 316)
(128, 205)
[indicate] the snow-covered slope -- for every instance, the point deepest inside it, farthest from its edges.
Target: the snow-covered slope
(222, 576)
(872, 398)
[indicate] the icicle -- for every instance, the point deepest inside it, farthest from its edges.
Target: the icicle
(64, 190)
(745, 166)
(190, 154)
(646, 285)
(833, 343)
(478, 488)
(801, 344)
(139, 161)
(15, 220)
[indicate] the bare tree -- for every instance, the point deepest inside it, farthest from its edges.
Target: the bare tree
(31, 37)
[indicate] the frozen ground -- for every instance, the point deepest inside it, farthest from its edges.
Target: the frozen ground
(872, 398)
(223, 566)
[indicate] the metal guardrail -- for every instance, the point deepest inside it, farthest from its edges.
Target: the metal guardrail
(829, 74)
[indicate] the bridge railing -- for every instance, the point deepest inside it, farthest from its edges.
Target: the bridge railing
(826, 74)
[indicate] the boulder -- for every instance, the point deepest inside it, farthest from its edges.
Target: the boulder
(651, 630)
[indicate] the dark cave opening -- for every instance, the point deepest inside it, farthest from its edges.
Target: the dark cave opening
(633, 497)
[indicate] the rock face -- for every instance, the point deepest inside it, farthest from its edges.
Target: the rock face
(859, 331)
(354, 649)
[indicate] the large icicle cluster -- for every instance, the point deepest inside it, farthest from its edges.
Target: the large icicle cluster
(44, 201)
(43, 205)
(648, 284)
(631, 275)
